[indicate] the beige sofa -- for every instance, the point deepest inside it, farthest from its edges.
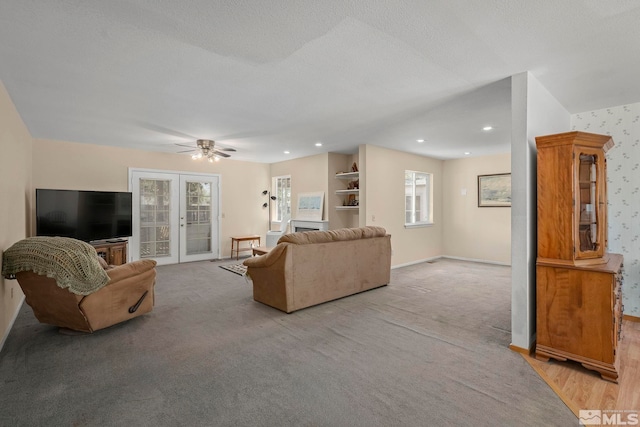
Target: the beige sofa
(313, 267)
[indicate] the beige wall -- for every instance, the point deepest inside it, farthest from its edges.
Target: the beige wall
(384, 202)
(67, 165)
(471, 232)
(317, 173)
(15, 185)
(308, 174)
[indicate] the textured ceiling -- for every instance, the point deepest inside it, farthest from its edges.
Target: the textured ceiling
(268, 76)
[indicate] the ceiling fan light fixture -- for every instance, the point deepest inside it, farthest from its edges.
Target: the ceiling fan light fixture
(206, 148)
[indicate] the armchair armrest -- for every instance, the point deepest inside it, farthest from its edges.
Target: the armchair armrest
(130, 269)
(129, 293)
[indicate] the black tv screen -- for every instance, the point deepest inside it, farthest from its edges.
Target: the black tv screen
(83, 215)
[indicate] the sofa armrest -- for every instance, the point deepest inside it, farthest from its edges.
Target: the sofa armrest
(130, 269)
(268, 259)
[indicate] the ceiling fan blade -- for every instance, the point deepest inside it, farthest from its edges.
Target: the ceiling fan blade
(163, 130)
(227, 149)
(187, 151)
(220, 153)
(185, 145)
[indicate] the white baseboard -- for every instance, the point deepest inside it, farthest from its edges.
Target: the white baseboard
(15, 316)
(483, 261)
(406, 264)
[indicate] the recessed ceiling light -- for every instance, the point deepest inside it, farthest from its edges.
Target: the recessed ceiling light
(487, 128)
(466, 153)
(419, 140)
(318, 144)
(287, 152)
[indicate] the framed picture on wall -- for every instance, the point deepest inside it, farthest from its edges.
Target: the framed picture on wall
(494, 190)
(310, 206)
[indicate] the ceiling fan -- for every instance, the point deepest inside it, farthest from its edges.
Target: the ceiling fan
(207, 149)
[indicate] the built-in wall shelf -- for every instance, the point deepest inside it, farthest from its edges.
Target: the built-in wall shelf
(347, 175)
(351, 193)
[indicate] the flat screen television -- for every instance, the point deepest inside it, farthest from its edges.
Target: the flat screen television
(83, 215)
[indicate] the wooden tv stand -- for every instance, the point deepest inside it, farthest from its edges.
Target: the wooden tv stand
(114, 253)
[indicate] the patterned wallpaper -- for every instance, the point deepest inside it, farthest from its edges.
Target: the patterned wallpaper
(623, 189)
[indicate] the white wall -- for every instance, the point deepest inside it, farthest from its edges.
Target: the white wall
(534, 112)
(623, 189)
(67, 165)
(15, 196)
(472, 232)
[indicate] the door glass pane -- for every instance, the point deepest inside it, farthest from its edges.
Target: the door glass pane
(588, 226)
(154, 218)
(198, 217)
(283, 198)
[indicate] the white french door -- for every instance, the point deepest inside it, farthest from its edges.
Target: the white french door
(175, 216)
(198, 217)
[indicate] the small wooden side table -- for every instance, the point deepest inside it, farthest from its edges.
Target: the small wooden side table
(235, 244)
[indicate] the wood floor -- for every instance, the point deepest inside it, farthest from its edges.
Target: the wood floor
(580, 388)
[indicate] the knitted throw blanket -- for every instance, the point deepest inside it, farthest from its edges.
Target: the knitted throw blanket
(72, 263)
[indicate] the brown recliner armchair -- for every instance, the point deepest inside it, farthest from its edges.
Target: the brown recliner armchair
(70, 297)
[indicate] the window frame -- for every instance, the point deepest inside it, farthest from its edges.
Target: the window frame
(428, 203)
(276, 213)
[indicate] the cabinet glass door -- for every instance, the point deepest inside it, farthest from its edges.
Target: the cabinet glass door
(591, 210)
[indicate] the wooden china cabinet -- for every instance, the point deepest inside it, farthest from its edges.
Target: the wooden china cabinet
(578, 284)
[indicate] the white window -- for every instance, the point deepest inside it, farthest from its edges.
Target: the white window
(418, 201)
(282, 192)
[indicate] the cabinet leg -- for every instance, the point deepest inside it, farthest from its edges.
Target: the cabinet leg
(542, 358)
(606, 374)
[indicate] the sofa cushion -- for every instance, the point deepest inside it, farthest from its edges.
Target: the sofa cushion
(342, 234)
